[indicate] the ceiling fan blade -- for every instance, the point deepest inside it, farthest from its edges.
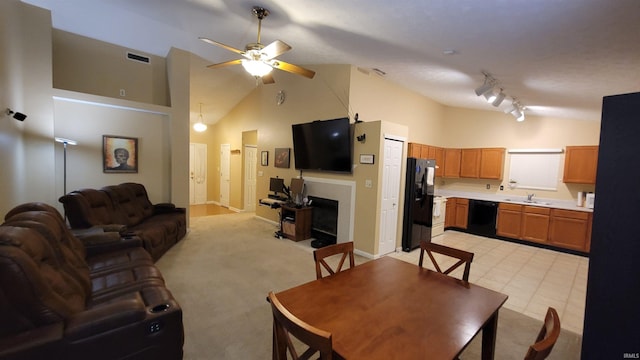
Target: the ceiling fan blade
(226, 63)
(293, 69)
(275, 48)
(213, 42)
(268, 79)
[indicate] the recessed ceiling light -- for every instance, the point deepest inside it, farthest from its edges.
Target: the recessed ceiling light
(449, 52)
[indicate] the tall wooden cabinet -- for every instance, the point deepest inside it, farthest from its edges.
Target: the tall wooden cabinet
(580, 164)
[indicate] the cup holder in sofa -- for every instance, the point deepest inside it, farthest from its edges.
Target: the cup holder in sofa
(160, 308)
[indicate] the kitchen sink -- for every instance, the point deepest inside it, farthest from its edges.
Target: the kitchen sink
(534, 202)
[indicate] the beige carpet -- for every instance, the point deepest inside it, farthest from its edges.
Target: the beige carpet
(224, 268)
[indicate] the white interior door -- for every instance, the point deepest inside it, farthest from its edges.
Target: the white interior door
(197, 173)
(225, 173)
(250, 168)
(391, 176)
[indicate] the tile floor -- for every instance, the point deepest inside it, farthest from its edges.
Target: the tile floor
(533, 278)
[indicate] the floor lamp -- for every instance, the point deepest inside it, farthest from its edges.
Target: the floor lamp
(65, 142)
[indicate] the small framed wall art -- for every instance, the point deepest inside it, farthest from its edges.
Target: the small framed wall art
(119, 154)
(264, 158)
(281, 157)
(366, 158)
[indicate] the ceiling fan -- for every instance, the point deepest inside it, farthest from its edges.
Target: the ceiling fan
(260, 59)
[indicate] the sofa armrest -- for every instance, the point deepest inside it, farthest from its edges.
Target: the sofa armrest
(98, 241)
(105, 318)
(33, 344)
(164, 208)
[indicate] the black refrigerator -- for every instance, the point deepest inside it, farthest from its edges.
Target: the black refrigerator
(418, 203)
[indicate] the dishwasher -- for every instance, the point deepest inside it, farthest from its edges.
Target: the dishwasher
(482, 217)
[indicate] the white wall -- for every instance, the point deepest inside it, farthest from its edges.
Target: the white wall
(86, 118)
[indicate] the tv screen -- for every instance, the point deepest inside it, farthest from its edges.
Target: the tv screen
(323, 145)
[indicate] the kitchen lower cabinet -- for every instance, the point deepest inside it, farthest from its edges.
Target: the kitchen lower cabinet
(535, 224)
(462, 213)
(570, 229)
(509, 221)
(450, 213)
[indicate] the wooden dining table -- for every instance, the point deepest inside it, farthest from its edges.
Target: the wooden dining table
(390, 309)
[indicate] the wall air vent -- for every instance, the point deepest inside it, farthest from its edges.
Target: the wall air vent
(138, 58)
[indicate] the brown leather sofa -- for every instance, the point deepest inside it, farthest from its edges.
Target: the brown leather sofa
(58, 300)
(127, 208)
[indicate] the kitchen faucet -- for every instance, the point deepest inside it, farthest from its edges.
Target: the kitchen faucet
(530, 196)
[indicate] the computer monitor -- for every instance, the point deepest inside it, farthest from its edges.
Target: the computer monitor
(276, 185)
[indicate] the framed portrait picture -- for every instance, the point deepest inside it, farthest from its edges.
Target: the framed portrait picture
(264, 158)
(281, 157)
(119, 154)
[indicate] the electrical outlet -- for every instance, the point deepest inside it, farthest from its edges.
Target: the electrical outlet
(501, 187)
(123, 93)
(368, 183)
(488, 186)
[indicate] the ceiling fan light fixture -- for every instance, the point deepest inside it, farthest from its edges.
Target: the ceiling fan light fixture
(256, 68)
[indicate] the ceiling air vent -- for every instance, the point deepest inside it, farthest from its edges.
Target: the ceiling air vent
(138, 58)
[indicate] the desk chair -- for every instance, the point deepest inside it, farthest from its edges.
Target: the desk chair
(319, 256)
(285, 323)
(464, 257)
(546, 338)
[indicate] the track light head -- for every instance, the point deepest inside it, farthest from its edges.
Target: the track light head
(499, 98)
(484, 88)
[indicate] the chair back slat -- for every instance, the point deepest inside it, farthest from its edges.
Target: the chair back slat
(464, 257)
(320, 255)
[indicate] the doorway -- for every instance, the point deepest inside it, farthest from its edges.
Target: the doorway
(225, 173)
(390, 193)
(250, 168)
(197, 173)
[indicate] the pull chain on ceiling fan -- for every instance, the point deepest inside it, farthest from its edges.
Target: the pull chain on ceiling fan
(259, 59)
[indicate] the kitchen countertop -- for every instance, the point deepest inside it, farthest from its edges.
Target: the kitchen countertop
(514, 199)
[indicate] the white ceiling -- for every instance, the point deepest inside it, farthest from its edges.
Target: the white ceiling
(559, 58)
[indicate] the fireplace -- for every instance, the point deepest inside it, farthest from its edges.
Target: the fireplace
(344, 194)
(324, 228)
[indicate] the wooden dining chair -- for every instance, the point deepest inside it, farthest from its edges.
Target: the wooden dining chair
(286, 324)
(464, 257)
(319, 256)
(546, 338)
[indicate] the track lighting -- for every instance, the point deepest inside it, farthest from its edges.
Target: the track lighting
(498, 99)
(495, 96)
(517, 110)
(486, 87)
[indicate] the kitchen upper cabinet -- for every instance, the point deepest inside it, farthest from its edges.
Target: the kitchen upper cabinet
(462, 213)
(437, 153)
(491, 163)
(452, 163)
(570, 229)
(509, 220)
(415, 150)
(469, 163)
(482, 163)
(535, 223)
(580, 164)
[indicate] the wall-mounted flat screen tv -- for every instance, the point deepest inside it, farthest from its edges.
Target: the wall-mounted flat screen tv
(323, 145)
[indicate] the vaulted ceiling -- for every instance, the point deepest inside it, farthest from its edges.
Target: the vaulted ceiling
(558, 58)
